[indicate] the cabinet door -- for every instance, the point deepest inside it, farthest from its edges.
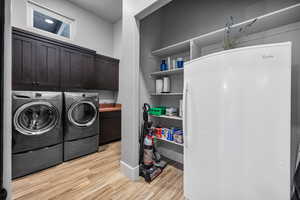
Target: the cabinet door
(23, 63)
(107, 72)
(71, 69)
(115, 65)
(89, 77)
(47, 66)
(110, 127)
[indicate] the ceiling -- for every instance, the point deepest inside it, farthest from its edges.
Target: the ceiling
(110, 10)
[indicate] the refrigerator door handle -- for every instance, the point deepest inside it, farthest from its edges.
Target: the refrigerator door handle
(185, 96)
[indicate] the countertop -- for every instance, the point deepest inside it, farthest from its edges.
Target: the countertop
(109, 107)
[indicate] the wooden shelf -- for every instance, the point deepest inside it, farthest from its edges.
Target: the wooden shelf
(172, 142)
(168, 72)
(166, 94)
(168, 117)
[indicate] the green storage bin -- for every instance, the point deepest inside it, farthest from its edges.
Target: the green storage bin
(157, 111)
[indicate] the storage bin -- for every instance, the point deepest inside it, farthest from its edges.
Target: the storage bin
(157, 111)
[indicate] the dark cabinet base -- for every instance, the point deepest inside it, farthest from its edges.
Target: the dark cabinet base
(110, 127)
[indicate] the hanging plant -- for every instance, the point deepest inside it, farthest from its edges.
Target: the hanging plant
(231, 41)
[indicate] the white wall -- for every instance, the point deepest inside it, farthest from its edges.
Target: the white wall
(117, 48)
(7, 101)
(117, 39)
(92, 32)
(128, 91)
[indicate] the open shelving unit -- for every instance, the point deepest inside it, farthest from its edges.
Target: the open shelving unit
(168, 94)
(173, 49)
(167, 117)
(170, 149)
(165, 140)
(166, 73)
(193, 49)
(261, 23)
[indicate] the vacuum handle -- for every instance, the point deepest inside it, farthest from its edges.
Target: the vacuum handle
(146, 108)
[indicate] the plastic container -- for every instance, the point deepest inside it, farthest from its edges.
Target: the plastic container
(164, 133)
(157, 111)
(158, 132)
(166, 84)
(171, 111)
(170, 135)
(159, 86)
(163, 65)
(179, 63)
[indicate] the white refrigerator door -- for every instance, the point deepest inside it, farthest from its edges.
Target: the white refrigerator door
(237, 124)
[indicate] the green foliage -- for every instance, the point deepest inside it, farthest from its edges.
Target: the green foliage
(230, 40)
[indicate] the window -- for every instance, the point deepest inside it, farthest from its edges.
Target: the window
(47, 20)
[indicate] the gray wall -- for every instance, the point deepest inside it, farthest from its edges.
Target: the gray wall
(7, 100)
(117, 40)
(185, 19)
(117, 47)
(149, 39)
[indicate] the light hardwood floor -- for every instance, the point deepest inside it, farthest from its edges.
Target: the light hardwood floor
(97, 176)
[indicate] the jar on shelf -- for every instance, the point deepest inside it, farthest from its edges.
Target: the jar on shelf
(163, 65)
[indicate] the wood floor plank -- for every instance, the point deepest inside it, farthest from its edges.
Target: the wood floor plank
(97, 176)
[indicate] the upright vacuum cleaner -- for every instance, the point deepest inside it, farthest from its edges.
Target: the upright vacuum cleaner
(151, 165)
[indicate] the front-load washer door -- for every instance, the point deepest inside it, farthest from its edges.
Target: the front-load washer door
(36, 118)
(82, 113)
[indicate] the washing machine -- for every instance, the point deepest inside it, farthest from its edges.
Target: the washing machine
(37, 135)
(81, 124)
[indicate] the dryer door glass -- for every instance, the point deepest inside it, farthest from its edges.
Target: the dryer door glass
(82, 113)
(36, 118)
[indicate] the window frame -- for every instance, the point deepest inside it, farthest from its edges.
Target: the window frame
(33, 6)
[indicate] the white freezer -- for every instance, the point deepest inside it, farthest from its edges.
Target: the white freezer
(237, 124)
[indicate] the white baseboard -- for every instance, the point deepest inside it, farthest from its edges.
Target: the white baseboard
(131, 172)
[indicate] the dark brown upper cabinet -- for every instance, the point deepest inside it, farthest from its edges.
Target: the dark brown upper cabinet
(71, 69)
(35, 64)
(77, 70)
(23, 62)
(42, 63)
(89, 78)
(107, 73)
(47, 66)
